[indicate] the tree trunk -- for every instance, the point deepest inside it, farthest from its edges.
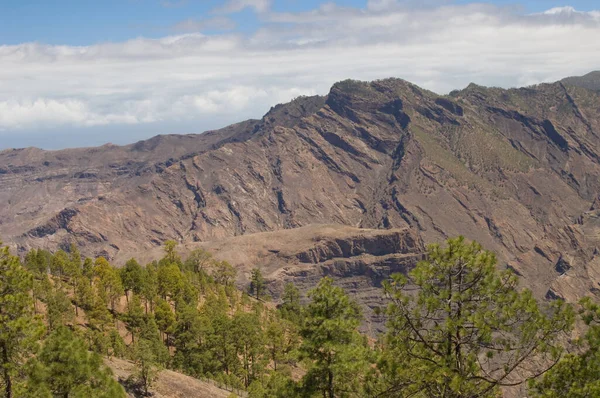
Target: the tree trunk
(330, 383)
(145, 381)
(6, 375)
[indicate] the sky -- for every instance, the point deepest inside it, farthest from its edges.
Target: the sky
(82, 73)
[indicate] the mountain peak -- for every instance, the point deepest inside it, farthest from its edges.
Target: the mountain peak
(590, 81)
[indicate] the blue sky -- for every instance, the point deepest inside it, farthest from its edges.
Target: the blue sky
(82, 22)
(87, 72)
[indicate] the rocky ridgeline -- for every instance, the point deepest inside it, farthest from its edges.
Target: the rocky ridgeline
(517, 170)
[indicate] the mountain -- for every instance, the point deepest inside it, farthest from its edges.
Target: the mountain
(591, 81)
(518, 170)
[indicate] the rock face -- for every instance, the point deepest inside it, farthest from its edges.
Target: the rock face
(358, 259)
(517, 170)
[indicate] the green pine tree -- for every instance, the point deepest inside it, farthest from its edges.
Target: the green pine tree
(20, 329)
(132, 275)
(84, 294)
(198, 261)
(134, 317)
(146, 363)
(331, 343)
(165, 318)
(150, 286)
(223, 273)
(191, 338)
(577, 375)
(65, 368)
(290, 308)
(59, 310)
(249, 342)
(108, 278)
(458, 328)
(257, 283)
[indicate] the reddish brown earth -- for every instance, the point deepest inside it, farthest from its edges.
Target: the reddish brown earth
(517, 170)
(169, 384)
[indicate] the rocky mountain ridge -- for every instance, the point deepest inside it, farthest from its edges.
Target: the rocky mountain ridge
(590, 81)
(517, 170)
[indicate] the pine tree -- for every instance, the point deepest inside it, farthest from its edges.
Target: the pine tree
(72, 268)
(150, 287)
(457, 328)
(221, 341)
(132, 275)
(20, 329)
(248, 338)
(60, 263)
(84, 294)
(191, 337)
(38, 261)
(146, 363)
(41, 288)
(108, 279)
(98, 315)
(87, 269)
(198, 261)
(134, 317)
(59, 309)
(150, 332)
(281, 339)
(171, 256)
(257, 283)
(224, 273)
(170, 281)
(67, 369)
(165, 318)
(75, 256)
(331, 341)
(290, 308)
(116, 343)
(577, 375)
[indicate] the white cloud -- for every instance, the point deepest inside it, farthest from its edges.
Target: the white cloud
(194, 77)
(560, 10)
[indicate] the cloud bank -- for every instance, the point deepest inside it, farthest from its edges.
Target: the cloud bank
(194, 77)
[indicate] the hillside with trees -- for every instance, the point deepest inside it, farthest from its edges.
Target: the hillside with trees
(456, 327)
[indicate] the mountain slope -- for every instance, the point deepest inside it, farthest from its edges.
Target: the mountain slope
(591, 81)
(518, 170)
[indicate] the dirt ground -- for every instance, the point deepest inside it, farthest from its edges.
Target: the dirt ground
(170, 384)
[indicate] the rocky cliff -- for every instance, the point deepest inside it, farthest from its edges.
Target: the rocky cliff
(517, 170)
